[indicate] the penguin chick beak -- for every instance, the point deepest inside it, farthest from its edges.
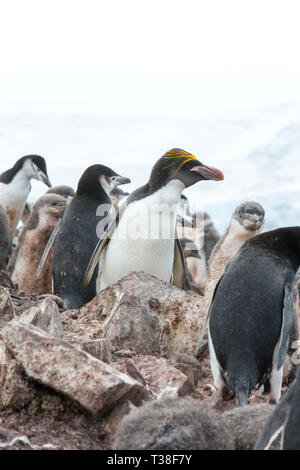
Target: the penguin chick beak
(254, 218)
(208, 173)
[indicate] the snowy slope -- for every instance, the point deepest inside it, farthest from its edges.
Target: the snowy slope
(258, 154)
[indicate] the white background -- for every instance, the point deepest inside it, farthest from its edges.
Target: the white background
(120, 82)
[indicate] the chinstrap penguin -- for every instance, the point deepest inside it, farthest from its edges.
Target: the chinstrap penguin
(144, 239)
(83, 223)
(252, 314)
(45, 215)
(15, 186)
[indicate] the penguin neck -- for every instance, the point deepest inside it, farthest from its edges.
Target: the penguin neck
(21, 180)
(237, 231)
(169, 194)
(93, 192)
(153, 216)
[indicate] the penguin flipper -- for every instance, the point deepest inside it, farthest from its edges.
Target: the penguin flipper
(47, 249)
(288, 316)
(16, 253)
(207, 314)
(101, 245)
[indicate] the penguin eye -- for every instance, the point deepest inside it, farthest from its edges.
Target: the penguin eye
(36, 169)
(109, 179)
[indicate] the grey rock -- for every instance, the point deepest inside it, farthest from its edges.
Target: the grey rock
(161, 377)
(15, 391)
(180, 314)
(99, 348)
(44, 315)
(6, 306)
(132, 325)
(189, 366)
(96, 386)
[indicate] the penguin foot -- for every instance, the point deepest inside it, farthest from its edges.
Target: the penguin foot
(227, 394)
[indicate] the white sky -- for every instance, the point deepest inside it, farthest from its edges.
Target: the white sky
(155, 57)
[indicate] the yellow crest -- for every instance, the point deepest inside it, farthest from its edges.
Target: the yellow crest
(181, 157)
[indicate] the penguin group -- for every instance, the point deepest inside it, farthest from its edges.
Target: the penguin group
(126, 249)
(76, 243)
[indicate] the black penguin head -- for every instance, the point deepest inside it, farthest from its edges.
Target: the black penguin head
(99, 178)
(35, 167)
(180, 165)
(250, 215)
(31, 166)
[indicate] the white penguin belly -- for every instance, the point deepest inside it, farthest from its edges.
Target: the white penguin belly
(144, 239)
(152, 256)
(13, 199)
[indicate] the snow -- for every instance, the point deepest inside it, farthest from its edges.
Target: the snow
(258, 154)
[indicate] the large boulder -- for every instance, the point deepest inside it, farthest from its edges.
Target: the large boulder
(180, 314)
(95, 385)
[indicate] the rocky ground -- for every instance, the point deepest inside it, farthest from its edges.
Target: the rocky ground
(68, 378)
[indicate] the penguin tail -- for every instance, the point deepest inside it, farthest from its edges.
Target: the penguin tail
(242, 381)
(241, 388)
(242, 398)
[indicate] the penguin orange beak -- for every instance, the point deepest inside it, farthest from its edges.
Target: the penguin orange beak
(208, 172)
